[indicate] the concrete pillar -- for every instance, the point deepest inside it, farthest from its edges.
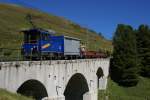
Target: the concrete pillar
(103, 83)
(90, 96)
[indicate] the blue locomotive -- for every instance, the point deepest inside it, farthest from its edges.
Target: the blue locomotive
(39, 43)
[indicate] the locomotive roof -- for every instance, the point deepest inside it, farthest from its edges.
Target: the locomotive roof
(72, 38)
(48, 31)
(42, 31)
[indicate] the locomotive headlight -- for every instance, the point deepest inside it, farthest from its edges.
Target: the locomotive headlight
(35, 47)
(31, 49)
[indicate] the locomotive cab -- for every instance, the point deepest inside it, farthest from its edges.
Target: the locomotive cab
(33, 38)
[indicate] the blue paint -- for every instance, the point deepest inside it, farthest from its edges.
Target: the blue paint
(50, 44)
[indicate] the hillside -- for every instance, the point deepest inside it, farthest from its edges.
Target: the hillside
(12, 20)
(5, 95)
(116, 92)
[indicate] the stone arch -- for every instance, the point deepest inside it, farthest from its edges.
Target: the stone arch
(76, 87)
(33, 88)
(99, 74)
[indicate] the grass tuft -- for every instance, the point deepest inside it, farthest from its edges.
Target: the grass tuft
(5, 95)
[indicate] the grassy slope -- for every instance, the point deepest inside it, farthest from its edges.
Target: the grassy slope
(12, 20)
(139, 92)
(5, 95)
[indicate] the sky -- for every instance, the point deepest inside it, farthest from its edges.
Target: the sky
(99, 15)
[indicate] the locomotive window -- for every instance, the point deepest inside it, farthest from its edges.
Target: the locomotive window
(31, 37)
(45, 37)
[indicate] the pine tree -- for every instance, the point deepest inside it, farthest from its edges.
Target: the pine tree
(124, 68)
(143, 48)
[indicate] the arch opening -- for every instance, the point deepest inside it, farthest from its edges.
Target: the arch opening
(99, 74)
(76, 87)
(34, 89)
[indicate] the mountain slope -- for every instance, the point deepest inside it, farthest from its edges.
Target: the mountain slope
(13, 19)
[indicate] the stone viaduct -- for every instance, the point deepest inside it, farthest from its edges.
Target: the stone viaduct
(56, 79)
